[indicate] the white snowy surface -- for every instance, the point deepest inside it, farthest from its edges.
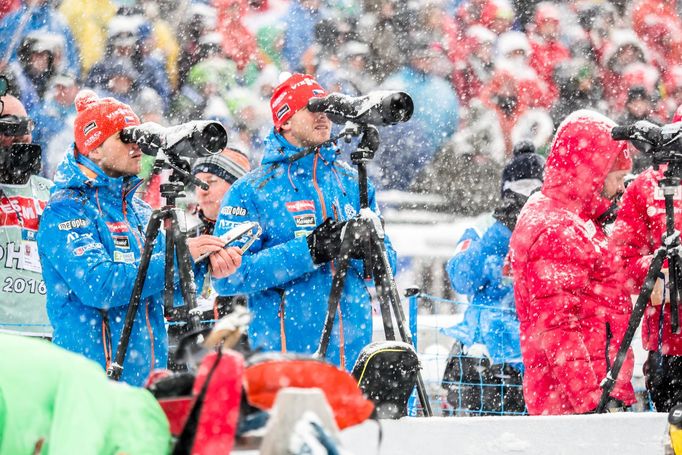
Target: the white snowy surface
(611, 434)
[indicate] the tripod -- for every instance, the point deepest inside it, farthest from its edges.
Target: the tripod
(670, 250)
(368, 229)
(175, 243)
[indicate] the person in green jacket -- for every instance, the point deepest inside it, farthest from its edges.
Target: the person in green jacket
(55, 402)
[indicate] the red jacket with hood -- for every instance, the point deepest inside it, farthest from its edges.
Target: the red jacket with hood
(569, 295)
(638, 232)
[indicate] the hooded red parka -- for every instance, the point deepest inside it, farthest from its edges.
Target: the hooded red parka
(568, 287)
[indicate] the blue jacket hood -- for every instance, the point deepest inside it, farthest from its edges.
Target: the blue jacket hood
(278, 150)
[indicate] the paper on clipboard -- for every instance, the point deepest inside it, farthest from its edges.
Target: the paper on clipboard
(249, 229)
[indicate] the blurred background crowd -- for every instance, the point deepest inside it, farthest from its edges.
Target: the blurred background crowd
(484, 74)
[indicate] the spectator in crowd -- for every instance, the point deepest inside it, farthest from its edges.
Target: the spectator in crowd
(55, 131)
(23, 197)
(384, 29)
(639, 230)
(91, 240)
(579, 88)
(299, 33)
(239, 44)
(90, 34)
(547, 51)
(473, 71)
(568, 280)
(302, 204)
(127, 47)
(38, 15)
(436, 103)
(484, 372)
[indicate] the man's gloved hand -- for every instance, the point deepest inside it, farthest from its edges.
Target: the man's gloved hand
(324, 242)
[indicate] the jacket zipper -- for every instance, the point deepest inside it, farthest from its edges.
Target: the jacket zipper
(342, 350)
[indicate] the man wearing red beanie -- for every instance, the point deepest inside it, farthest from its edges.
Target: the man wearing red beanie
(570, 299)
(638, 233)
(302, 204)
(90, 241)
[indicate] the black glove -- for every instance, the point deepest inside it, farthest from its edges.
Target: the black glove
(324, 242)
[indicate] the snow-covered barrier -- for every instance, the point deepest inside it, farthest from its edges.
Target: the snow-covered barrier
(621, 434)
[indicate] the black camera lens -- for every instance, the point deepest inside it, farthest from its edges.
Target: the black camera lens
(12, 125)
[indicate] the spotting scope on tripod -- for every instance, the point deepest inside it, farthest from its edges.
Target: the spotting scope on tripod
(170, 146)
(364, 232)
(664, 145)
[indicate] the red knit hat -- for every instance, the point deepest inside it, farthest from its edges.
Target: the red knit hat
(99, 118)
(292, 95)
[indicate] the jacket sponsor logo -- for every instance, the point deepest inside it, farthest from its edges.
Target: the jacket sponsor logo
(301, 233)
(91, 140)
(72, 224)
(120, 256)
(82, 249)
(121, 241)
(307, 220)
(89, 127)
(300, 206)
(282, 110)
(119, 226)
(462, 246)
(233, 210)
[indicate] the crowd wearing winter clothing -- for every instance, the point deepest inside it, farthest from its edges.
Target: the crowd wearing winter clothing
(485, 75)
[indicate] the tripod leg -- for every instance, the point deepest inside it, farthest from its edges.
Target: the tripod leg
(675, 277)
(335, 295)
(387, 291)
(187, 286)
(609, 381)
(168, 294)
(116, 368)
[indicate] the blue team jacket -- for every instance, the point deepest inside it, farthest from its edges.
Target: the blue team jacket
(476, 270)
(287, 292)
(90, 240)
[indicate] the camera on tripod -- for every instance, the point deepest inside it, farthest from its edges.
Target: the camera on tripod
(663, 143)
(193, 139)
(378, 108)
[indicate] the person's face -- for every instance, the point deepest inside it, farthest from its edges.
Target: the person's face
(13, 106)
(39, 62)
(120, 84)
(614, 185)
(306, 129)
(548, 29)
(209, 200)
(116, 158)
(65, 94)
(639, 108)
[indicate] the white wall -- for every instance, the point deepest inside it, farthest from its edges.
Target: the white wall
(610, 434)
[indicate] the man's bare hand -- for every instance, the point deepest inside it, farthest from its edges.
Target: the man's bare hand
(659, 290)
(225, 262)
(203, 244)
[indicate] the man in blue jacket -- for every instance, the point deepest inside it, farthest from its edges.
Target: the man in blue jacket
(302, 205)
(487, 350)
(90, 241)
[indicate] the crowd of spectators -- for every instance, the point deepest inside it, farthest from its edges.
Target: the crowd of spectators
(484, 74)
